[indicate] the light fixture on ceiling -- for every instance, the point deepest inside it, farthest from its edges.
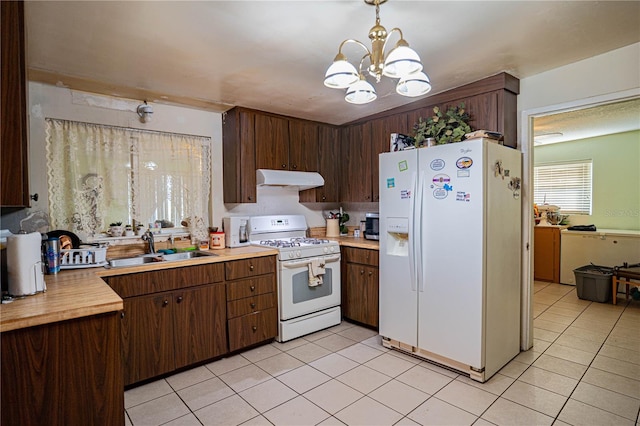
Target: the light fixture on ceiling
(401, 62)
(545, 138)
(145, 111)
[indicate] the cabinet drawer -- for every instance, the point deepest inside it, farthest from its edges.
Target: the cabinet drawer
(250, 267)
(251, 287)
(358, 255)
(253, 328)
(166, 279)
(249, 305)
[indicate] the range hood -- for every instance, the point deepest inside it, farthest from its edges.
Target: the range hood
(288, 179)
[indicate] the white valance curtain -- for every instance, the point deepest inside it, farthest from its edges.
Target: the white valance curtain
(100, 174)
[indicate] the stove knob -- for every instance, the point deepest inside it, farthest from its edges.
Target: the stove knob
(298, 254)
(291, 255)
(325, 249)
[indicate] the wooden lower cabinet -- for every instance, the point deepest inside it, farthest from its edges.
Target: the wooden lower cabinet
(166, 331)
(252, 301)
(546, 254)
(177, 317)
(63, 373)
(253, 328)
(361, 285)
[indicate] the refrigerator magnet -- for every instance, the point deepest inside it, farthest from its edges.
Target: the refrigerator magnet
(463, 196)
(440, 193)
(403, 166)
(391, 183)
(441, 179)
(464, 173)
(437, 164)
(464, 163)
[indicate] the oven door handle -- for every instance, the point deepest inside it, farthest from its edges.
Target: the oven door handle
(303, 262)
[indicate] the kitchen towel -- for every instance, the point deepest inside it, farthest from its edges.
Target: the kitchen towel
(24, 264)
(316, 271)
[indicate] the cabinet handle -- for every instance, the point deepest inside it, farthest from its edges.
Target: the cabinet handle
(179, 299)
(254, 328)
(249, 198)
(324, 198)
(294, 167)
(34, 197)
(165, 302)
(122, 314)
(253, 305)
(251, 267)
(252, 288)
(370, 273)
(361, 272)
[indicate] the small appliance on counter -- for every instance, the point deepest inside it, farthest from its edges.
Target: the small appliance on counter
(236, 231)
(24, 264)
(372, 226)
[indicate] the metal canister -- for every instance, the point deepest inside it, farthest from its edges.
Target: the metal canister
(52, 250)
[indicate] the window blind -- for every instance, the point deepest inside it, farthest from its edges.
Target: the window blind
(566, 185)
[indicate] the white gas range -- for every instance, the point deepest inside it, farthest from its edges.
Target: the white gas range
(308, 274)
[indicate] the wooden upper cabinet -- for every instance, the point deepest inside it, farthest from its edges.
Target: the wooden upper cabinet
(328, 160)
(13, 108)
(381, 130)
(355, 184)
(303, 146)
(239, 156)
(272, 142)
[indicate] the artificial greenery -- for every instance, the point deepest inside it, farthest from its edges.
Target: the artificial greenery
(115, 224)
(444, 128)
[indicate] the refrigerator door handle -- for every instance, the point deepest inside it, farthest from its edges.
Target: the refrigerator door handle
(418, 246)
(412, 239)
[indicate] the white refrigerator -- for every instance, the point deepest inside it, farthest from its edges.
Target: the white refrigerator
(450, 254)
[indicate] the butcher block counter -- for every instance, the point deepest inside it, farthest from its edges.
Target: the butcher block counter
(357, 243)
(79, 293)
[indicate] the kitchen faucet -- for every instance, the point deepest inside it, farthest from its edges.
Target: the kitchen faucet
(148, 236)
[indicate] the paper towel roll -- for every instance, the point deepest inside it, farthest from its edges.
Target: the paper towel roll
(333, 228)
(24, 264)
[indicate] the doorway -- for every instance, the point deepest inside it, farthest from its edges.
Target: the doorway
(528, 118)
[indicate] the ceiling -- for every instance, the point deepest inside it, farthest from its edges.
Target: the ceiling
(601, 120)
(272, 55)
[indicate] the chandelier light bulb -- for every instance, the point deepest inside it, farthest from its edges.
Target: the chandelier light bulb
(361, 92)
(412, 85)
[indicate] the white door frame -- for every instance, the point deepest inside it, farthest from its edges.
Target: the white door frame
(526, 136)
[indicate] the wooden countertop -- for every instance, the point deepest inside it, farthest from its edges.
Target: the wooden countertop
(77, 293)
(357, 242)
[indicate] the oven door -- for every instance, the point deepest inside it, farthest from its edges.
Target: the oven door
(296, 297)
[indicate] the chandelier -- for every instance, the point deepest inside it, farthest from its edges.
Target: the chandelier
(401, 62)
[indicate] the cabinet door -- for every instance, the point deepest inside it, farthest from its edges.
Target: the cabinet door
(147, 337)
(272, 142)
(303, 146)
(199, 324)
(328, 158)
(239, 156)
(355, 184)
(381, 130)
(362, 294)
(13, 109)
(253, 328)
(546, 254)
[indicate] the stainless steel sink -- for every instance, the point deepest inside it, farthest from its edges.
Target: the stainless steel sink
(157, 257)
(134, 261)
(186, 255)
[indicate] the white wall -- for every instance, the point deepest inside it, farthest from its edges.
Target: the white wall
(614, 71)
(46, 101)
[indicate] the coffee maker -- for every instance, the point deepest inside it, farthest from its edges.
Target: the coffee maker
(236, 231)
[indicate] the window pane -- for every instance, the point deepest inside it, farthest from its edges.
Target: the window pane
(566, 185)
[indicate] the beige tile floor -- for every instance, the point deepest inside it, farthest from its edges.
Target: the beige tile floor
(584, 369)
